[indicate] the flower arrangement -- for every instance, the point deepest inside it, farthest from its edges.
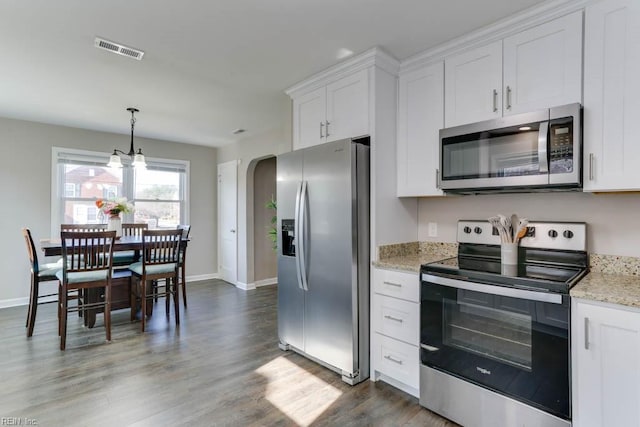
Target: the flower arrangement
(113, 207)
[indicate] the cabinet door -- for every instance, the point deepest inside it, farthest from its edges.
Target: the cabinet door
(420, 118)
(543, 66)
(348, 107)
(473, 85)
(308, 119)
(606, 365)
(612, 96)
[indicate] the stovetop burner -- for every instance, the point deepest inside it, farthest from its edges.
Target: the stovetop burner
(523, 275)
(547, 260)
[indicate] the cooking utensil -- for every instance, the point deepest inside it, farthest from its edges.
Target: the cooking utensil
(522, 228)
(495, 222)
(506, 224)
(514, 227)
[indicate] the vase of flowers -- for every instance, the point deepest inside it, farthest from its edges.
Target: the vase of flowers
(112, 208)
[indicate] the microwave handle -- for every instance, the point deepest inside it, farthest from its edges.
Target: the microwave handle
(543, 160)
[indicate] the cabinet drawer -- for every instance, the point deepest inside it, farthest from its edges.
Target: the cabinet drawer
(396, 318)
(396, 359)
(397, 284)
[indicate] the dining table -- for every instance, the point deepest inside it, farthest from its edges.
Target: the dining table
(121, 280)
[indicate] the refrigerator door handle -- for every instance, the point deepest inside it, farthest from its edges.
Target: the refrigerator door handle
(298, 235)
(301, 239)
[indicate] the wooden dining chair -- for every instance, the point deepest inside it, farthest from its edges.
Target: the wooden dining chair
(182, 259)
(160, 260)
(39, 273)
(89, 262)
(122, 258)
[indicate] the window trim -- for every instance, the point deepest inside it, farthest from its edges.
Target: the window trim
(57, 181)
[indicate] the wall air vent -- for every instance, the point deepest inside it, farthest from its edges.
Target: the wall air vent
(114, 47)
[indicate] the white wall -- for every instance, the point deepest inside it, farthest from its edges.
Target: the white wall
(612, 219)
(25, 176)
(249, 151)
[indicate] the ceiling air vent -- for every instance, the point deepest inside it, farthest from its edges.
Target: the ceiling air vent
(123, 50)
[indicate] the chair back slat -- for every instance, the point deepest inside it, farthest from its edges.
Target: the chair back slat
(83, 227)
(160, 246)
(134, 229)
(87, 251)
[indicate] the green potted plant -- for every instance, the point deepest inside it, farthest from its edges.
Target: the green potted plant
(272, 233)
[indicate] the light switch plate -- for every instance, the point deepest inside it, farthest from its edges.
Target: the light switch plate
(432, 229)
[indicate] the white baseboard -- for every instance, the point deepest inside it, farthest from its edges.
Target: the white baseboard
(266, 282)
(203, 277)
(245, 286)
(5, 303)
(256, 284)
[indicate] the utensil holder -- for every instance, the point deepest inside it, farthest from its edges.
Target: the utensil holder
(509, 270)
(509, 253)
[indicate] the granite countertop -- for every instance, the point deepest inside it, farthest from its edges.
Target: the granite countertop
(612, 279)
(409, 263)
(410, 256)
(606, 287)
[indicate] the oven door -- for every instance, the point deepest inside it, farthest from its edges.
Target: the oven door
(512, 341)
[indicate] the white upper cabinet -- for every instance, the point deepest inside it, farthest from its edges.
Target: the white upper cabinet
(612, 96)
(309, 111)
(336, 111)
(348, 107)
(473, 85)
(420, 118)
(537, 68)
(543, 66)
(605, 364)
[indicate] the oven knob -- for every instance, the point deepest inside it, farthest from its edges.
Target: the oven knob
(478, 230)
(568, 234)
(467, 229)
(553, 233)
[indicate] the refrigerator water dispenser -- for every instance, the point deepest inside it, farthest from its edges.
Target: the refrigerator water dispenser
(288, 237)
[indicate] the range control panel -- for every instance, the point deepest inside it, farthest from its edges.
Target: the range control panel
(569, 236)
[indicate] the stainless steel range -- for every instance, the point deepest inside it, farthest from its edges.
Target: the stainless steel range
(494, 338)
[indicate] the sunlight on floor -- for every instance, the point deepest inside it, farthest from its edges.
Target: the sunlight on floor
(300, 395)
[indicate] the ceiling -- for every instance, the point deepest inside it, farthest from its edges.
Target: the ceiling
(209, 67)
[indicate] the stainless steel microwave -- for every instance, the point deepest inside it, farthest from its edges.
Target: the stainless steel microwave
(538, 151)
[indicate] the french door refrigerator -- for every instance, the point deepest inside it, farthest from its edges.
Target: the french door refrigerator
(323, 255)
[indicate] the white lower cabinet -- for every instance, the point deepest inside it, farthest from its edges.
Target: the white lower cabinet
(605, 364)
(395, 329)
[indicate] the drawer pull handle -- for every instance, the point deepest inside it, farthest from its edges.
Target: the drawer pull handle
(398, 285)
(393, 318)
(399, 362)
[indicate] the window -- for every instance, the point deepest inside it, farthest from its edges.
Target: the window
(159, 193)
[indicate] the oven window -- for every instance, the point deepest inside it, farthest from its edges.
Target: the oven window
(501, 335)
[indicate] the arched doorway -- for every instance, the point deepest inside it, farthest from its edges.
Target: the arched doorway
(264, 255)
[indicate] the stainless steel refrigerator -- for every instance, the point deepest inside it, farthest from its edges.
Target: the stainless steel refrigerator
(323, 255)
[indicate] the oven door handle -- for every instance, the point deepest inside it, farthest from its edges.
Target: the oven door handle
(493, 289)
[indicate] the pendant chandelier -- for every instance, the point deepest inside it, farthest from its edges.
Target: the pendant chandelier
(137, 159)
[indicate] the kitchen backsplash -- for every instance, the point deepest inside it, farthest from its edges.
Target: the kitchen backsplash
(610, 218)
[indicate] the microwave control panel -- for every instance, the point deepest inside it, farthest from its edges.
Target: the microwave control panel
(561, 146)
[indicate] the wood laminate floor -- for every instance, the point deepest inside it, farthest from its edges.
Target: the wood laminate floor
(221, 366)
